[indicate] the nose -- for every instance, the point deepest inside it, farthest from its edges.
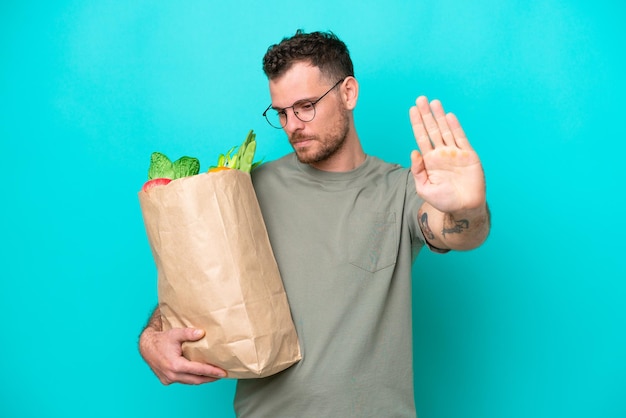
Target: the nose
(293, 123)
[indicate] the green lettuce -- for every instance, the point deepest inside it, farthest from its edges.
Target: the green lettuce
(162, 167)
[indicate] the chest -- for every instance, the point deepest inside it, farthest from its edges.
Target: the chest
(319, 228)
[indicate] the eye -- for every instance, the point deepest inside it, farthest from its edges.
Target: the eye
(306, 106)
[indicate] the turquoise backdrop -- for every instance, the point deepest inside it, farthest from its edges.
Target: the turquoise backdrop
(532, 324)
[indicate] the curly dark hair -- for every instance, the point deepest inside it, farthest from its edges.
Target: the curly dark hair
(321, 49)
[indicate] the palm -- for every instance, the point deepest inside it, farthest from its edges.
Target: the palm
(448, 173)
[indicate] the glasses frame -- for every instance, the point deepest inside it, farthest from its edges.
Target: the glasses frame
(313, 103)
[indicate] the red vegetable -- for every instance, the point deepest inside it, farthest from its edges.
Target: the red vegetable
(154, 183)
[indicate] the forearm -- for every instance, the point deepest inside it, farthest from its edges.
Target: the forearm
(154, 325)
(460, 231)
(154, 322)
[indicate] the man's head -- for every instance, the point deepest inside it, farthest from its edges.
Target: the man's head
(323, 50)
(313, 95)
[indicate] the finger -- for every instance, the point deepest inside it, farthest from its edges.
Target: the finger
(191, 373)
(419, 130)
(188, 379)
(202, 370)
(459, 135)
(442, 123)
(197, 380)
(180, 335)
(192, 379)
(431, 125)
(417, 166)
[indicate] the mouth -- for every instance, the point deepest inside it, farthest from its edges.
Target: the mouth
(301, 142)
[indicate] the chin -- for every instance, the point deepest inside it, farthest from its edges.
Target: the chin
(305, 158)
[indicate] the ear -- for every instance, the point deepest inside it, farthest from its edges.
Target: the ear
(350, 92)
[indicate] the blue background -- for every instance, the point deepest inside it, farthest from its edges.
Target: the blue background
(529, 325)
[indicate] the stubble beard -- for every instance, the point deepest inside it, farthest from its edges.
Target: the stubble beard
(329, 144)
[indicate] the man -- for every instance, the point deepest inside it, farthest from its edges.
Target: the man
(345, 228)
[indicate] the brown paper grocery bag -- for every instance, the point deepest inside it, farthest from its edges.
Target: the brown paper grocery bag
(216, 271)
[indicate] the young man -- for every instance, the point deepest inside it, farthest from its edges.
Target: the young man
(345, 228)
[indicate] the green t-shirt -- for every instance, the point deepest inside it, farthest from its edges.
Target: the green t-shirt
(345, 244)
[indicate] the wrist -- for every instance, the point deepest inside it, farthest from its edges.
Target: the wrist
(477, 213)
(466, 230)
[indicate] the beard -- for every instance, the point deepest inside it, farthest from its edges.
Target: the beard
(324, 146)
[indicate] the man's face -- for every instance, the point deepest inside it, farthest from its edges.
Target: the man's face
(319, 139)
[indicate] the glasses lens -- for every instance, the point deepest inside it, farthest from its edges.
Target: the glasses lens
(305, 111)
(276, 119)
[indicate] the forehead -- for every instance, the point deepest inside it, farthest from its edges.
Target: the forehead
(301, 81)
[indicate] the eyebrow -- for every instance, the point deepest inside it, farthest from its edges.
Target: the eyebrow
(306, 99)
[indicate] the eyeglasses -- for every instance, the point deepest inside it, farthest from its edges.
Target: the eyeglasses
(302, 109)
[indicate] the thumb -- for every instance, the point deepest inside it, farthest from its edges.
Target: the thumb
(187, 334)
(417, 164)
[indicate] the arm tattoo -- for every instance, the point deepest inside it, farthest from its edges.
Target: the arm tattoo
(457, 227)
(422, 219)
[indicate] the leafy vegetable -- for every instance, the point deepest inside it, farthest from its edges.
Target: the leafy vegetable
(162, 167)
(243, 159)
(162, 170)
(186, 166)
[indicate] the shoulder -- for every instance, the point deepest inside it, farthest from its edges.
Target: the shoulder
(386, 172)
(272, 166)
(273, 171)
(377, 165)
